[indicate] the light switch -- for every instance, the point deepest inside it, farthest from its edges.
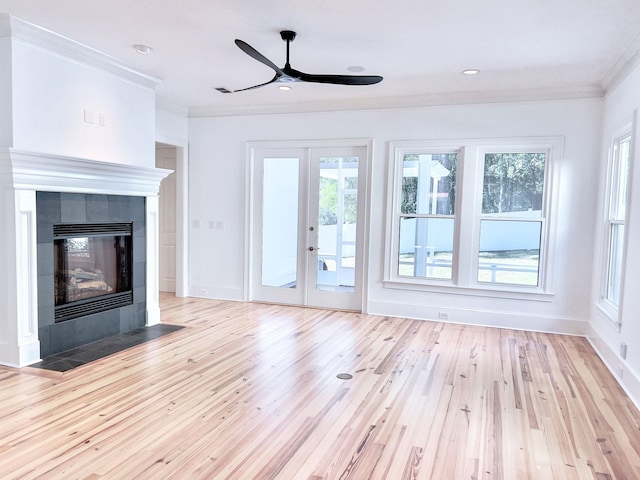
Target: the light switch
(89, 117)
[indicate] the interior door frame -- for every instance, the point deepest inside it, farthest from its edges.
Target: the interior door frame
(250, 154)
(182, 213)
(166, 157)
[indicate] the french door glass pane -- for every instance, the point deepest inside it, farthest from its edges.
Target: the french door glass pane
(280, 222)
(509, 252)
(426, 247)
(513, 182)
(337, 220)
(615, 264)
(428, 183)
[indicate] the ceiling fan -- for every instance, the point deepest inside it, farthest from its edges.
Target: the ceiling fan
(287, 74)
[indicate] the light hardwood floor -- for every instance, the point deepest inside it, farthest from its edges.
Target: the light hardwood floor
(249, 391)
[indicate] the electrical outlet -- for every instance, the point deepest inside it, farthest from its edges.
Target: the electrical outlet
(203, 291)
(623, 350)
(443, 315)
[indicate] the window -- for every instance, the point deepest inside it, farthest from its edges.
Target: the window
(512, 222)
(426, 222)
(615, 219)
(470, 214)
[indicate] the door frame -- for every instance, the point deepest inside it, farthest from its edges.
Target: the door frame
(182, 214)
(166, 158)
(276, 145)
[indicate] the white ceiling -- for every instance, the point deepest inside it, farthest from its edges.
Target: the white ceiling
(523, 48)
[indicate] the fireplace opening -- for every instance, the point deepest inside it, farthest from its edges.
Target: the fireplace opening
(93, 268)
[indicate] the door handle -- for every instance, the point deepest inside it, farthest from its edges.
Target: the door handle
(311, 249)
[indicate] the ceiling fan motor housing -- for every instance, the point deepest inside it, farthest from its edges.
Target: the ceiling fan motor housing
(288, 35)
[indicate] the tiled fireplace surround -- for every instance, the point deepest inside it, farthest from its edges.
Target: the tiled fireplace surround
(54, 208)
(45, 189)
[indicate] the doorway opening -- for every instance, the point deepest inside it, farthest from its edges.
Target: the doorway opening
(172, 218)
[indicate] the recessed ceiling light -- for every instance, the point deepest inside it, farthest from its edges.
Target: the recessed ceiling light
(142, 49)
(471, 71)
(355, 68)
(284, 88)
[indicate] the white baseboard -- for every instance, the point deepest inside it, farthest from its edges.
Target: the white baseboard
(19, 356)
(626, 376)
(215, 292)
(486, 318)
(153, 315)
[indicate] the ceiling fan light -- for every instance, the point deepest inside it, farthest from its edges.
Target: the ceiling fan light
(284, 88)
(142, 49)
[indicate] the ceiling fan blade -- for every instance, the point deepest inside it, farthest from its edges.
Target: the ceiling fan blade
(288, 74)
(340, 79)
(259, 85)
(252, 52)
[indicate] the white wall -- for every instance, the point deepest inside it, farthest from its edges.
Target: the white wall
(619, 107)
(172, 126)
(217, 187)
(6, 130)
(216, 194)
(50, 96)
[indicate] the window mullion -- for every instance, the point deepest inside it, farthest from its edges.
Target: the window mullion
(468, 225)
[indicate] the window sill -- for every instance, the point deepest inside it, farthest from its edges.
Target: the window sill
(479, 291)
(609, 315)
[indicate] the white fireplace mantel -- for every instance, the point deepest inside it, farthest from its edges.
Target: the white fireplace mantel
(22, 174)
(38, 171)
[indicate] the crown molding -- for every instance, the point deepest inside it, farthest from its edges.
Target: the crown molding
(47, 40)
(442, 99)
(627, 61)
(168, 106)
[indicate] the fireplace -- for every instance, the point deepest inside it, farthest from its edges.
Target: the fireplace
(92, 268)
(42, 190)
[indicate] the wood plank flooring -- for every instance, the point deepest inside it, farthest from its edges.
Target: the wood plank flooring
(249, 391)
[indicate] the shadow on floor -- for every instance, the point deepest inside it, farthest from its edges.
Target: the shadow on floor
(69, 359)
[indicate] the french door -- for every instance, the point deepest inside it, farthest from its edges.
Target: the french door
(307, 227)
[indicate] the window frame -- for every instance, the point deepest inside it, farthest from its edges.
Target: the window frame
(468, 215)
(611, 311)
(393, 233)
(542, 220)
